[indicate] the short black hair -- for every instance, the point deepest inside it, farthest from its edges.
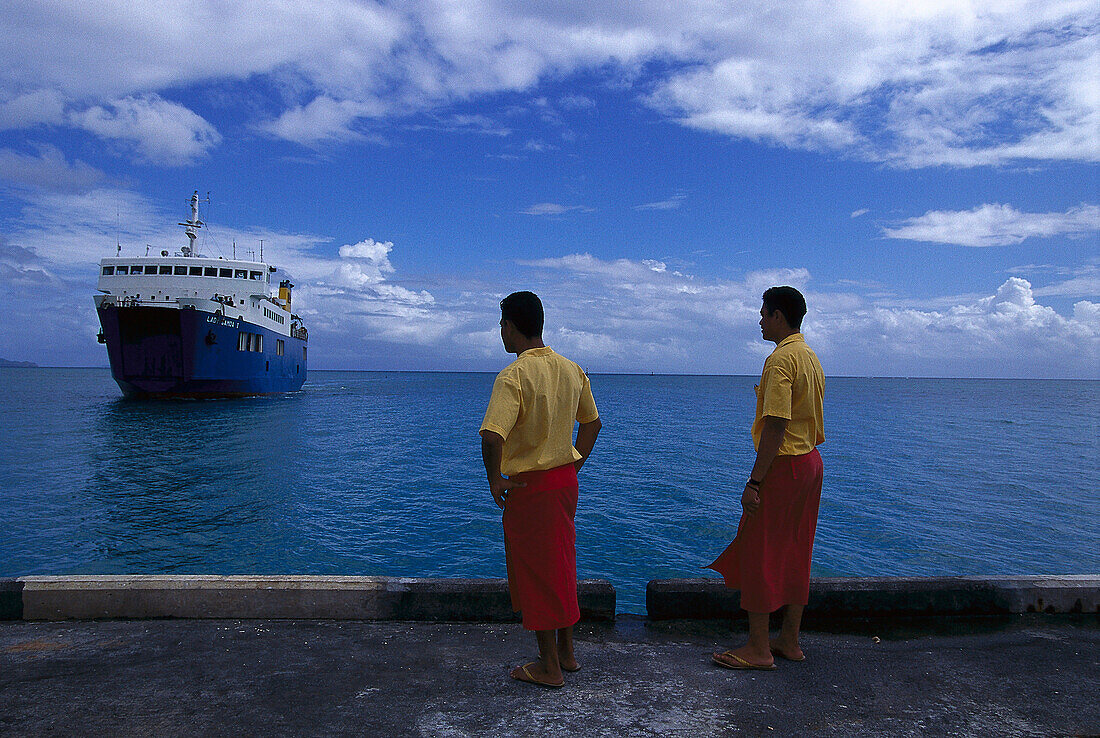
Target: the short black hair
(788, 301)
(524, 310)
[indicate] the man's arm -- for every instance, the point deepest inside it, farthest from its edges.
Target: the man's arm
(586, 439)
(492, 450)
(771, 438)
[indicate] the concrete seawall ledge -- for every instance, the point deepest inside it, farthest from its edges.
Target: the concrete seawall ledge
(846, 597)
(487, 600)
(272, 597)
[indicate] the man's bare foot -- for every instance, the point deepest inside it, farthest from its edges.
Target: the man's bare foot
(787, 651)
(745, 658)
(537, 673)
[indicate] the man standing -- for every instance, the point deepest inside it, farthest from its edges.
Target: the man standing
(769, 560)
(527, 435)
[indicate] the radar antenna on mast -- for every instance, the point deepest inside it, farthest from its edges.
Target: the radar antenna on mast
(192, 226)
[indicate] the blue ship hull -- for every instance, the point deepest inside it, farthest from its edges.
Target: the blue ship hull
(172, 353)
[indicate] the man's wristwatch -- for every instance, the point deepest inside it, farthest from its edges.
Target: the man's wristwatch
(753, 483)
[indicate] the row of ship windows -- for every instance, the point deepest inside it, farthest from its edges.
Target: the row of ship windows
(183, 271)
(274, 316)
(255, 342)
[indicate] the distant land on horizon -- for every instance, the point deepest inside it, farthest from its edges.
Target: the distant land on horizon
(25, 364)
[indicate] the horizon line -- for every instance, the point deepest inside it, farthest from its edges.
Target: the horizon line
(637, 374)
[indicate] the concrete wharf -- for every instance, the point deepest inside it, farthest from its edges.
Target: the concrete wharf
(975, 662)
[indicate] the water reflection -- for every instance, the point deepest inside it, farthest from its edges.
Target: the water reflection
(193, 485)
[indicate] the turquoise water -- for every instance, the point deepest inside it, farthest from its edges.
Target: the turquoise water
(380, 473)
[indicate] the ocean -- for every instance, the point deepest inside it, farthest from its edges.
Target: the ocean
(379, 473)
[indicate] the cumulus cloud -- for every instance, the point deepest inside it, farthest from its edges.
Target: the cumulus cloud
(323, 119)
(351, 297)
(161, 131)
(1008, 333)
(363, 268)
(625, 315)
(912, 84)
(1087, 313)
(995, 225)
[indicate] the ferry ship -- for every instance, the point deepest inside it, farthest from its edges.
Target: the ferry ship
(192, 326)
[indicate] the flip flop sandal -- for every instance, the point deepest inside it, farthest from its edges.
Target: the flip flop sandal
(780, 654)
(531, 679)
(739, 663)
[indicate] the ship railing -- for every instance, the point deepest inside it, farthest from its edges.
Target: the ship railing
(299, 332)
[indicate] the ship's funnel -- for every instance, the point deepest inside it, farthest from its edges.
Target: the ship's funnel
(284, 293)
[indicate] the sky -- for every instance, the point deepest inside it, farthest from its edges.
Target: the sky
(925, 172)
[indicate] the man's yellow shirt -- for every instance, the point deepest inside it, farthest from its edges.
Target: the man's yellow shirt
(535, 401)
(792, 386)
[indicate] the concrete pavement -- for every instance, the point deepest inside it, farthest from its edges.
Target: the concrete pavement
(1017, 675)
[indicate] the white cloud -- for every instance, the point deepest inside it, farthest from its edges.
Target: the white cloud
(609, 315)
(114, 49)
(73, 230)
(761, 280)
(553, 208)
(364, 267)
(577, 102)
(913, 84)
(995, 225)
(1087, 313)
(623, 315)
(861, 211)
(1082, 282)
(1006, 334)
(22, 267)
(371, 251)
(163, 132)
(588, 264)
(671, 203)
(323, 119)
(38, 106)
(49, 170)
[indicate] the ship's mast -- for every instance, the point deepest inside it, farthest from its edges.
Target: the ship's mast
(192, 226)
